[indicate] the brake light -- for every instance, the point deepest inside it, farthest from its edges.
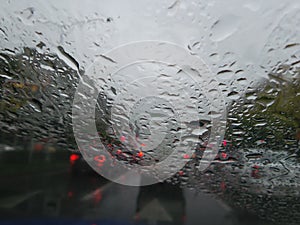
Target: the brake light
(224, 155)
(140, 154)
(74, 157)
(70, 194)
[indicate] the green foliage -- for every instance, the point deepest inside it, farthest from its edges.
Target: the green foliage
(270, 112)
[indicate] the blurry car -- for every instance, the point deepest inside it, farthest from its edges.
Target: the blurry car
(79, 165)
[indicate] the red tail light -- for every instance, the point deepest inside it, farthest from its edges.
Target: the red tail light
(74, 157)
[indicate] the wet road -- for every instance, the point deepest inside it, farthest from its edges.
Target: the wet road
(89, 197)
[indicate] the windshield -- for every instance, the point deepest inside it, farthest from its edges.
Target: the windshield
(150, 112)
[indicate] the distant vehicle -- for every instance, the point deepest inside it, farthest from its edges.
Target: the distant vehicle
(79, 165)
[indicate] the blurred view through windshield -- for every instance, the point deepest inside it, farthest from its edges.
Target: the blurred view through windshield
(235, 107)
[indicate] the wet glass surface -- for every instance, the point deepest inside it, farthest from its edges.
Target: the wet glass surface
(199, 100)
